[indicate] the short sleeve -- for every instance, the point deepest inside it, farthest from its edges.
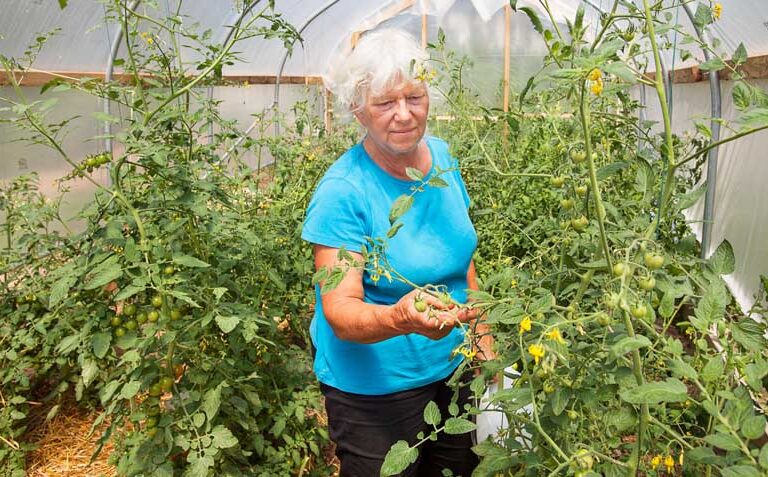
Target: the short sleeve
(336, 216)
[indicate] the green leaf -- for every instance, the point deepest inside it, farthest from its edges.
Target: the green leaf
(754, 118)
(671, 390)
(682, 369)
(703, 15)
(104, 117)
(89, 372)
(401, 205)
(723, 441)
(559, 401)
(437, 182)
(763, 458)
(715, 64)
(189, 261)
(753, 427)
(105, 272)
(748, 333)
(129, 291)
(212, 401)
(740, 55)
(458, 425)
(227, 323)
(60, 289)
(723, 261)
(611, 169)
(100, 343)
(621, 70)
(713, 370)
(754, 374)
(534, 19)
(702, 455)
(414, 174)
(130, 389)
(108, 391)
(68, 344)
(741, 471)
(63, 4)
(432, 414)
(394, 229)
(742, 97)
(690, 198)
(627, 344)
(223, 437)
(399, 457)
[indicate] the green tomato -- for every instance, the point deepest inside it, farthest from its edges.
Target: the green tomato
(131, 325)
(166, 383)
(566, 204)
(581, 190)
(420, 305)
(557, 181)
(116, 321)
(176, 314)
(151, 422)
(579, 224)
(141, 318)
(157, 301)
(653, 261)
(604, 319)
(639, 311)
(169, 270)
(647, 283)
(119, 331)
(619, 269)
(155, 390)
(153, 316)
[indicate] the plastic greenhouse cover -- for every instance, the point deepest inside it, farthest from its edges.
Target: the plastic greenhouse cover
(83, 24)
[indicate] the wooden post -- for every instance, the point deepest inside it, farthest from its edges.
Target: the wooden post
(424, 26)
(328, 110)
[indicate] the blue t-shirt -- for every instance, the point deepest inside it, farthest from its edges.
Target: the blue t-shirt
(434, 245)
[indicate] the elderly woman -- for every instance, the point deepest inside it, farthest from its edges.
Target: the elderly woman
(378, 358)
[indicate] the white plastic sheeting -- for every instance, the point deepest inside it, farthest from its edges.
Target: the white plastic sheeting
(741, 202)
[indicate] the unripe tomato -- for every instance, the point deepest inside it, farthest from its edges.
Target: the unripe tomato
(572, 415)
(566, 204)
(131, 325)
(119, 331)
(557, 181)
(169, 270)
(116, 321)
(151, 432)
(579, 224)
(175, 314)
(612, 300)
(420, 305)
(653, 261)
(584, 459)
(153, 316)
(548, 388)
(581, 190)
(151, 422)
(157, 301)
(166, 383)
(647, 283)
(619, 269)
(155, 390)
(578, 156)
(141, 318)
(639, 311)
(604, 319)
(129, 309)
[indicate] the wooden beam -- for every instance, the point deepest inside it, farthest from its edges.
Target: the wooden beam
(328, 110)
(389, 12)
(507, 53)
(424, 26)
(39, 78)
(756, 67)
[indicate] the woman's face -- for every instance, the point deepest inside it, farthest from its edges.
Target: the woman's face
(396, 120)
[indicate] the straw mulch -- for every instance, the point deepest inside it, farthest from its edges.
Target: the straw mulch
(64, 447)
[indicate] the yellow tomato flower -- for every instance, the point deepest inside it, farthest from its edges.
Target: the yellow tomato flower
(467, 353)
(525, 325)
(595, 74)
(717, 10)
(656, 461)
(669, 463)
(537, 351)
(555, 335)
(597, 87)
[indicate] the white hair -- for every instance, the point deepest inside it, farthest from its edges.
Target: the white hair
(381, 60)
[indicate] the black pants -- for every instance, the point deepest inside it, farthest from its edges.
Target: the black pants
(365, 427)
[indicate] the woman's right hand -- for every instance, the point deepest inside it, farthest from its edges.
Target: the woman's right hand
(425, 314)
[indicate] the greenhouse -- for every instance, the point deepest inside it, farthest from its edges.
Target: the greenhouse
(411, 237)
